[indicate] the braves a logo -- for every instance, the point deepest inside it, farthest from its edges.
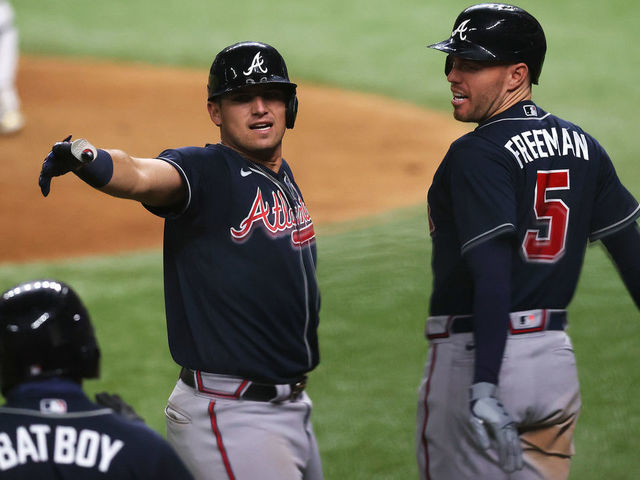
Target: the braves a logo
(277, 219)
(461, 30)
(256, 65)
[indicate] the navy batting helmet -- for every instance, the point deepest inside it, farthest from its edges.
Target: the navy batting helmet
(45, 331)
(496, 32)
(249, 63)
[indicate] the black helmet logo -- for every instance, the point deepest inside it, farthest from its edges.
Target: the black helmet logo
(256, 65)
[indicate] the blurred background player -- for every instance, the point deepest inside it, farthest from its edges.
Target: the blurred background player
(11, 118)
(48, 427)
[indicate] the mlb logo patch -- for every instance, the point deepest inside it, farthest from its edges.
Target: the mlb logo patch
(530, 110)
(526, 322)
(53, 405)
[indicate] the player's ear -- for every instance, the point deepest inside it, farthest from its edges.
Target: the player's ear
(518, 74)
(214, 112)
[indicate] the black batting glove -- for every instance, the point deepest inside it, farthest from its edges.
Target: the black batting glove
(59, 161)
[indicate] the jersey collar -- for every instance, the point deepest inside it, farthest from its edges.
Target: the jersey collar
(525, 109)
(28, 395)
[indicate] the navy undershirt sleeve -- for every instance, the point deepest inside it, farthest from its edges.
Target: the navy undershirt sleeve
(624, 248)
(490, 266)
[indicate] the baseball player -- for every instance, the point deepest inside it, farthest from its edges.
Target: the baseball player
(11, 118)
(49, 429)
(511, 208)
(241, 294)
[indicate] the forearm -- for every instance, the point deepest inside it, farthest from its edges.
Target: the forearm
(147, 180)
(490, 265)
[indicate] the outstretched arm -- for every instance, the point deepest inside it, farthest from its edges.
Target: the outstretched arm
(624, 248)
(147, 180)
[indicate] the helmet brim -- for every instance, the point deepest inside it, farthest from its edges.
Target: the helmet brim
(463, 49)
(274, 80)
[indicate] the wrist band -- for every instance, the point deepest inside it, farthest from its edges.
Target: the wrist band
(98, 172)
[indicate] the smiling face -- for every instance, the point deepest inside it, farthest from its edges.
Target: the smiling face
(482, 90)
(252, 122)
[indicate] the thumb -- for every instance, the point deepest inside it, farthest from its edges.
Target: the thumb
(45, 184)
(480, 433)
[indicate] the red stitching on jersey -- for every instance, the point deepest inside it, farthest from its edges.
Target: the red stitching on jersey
(235, 395)
(223, 451)
(426, 410)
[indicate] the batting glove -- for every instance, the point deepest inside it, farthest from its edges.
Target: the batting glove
(65, 156)
(490, 420)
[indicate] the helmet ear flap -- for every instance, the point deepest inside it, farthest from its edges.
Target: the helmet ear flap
(292, 111)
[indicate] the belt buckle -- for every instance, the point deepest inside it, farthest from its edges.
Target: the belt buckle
(297, 389)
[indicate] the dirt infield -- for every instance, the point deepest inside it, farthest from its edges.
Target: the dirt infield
(352, 154)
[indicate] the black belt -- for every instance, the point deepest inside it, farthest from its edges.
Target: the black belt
(258, 392)
(557, 321)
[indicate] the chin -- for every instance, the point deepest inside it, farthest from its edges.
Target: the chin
(263, 150)
(264, 147)
(464, 117)
(459, 116)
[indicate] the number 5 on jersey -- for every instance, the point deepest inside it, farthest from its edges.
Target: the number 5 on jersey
(553, 214)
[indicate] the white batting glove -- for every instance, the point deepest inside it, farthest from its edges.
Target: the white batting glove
(490, 420)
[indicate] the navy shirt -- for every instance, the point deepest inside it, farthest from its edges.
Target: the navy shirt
(241, 294)
(537, 178)
(50, 430)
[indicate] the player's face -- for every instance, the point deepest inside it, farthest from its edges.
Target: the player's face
(480, 90)
(252, 121)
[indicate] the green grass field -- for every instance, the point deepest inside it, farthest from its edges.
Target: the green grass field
(373, 273)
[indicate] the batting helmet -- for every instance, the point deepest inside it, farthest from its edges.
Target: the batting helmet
(249, 63)
(496, 32)
(45, 331)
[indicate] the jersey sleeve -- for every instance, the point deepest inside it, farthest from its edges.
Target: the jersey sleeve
(482, 192)
(615, 207)
(201, 174)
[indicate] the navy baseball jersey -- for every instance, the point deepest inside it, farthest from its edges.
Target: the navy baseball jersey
(258, 323)
(50, 430)
(523, 173)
